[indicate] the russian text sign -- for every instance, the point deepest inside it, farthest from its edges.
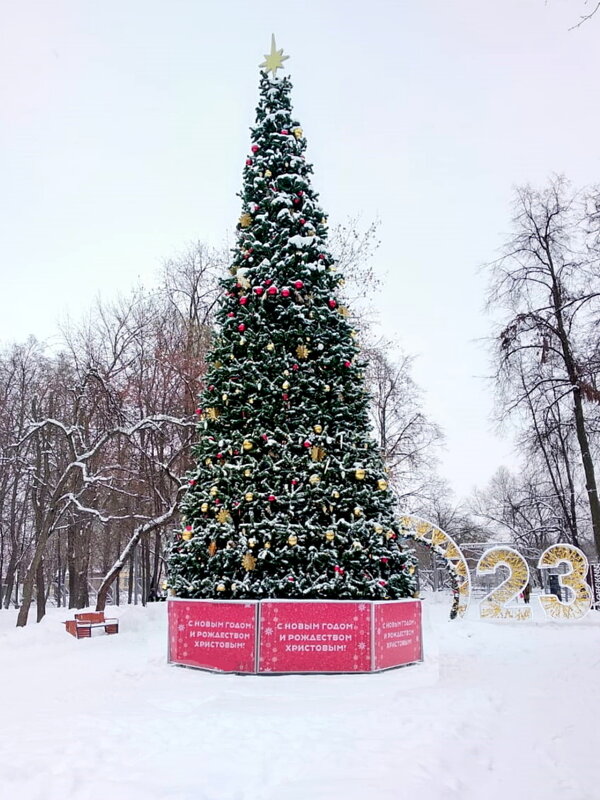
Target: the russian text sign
(397, 634)
(213, 635)
(317, 636)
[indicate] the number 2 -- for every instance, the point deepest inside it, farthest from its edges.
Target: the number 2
(495, 605)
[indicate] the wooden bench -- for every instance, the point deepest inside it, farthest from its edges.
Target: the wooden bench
(81, 626)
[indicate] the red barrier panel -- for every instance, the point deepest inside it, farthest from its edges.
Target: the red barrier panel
(315, 636)
(213, 635)
(397, 634)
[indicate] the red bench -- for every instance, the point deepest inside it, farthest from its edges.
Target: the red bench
(81, 626)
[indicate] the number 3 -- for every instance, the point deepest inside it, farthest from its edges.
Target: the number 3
(580, 599)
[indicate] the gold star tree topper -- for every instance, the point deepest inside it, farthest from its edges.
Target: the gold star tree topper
(274, 60)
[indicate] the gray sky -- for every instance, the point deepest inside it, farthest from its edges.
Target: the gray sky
(124, 128)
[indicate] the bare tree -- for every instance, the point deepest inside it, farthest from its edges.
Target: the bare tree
(408, 440)
(546, 286)
(593, 9)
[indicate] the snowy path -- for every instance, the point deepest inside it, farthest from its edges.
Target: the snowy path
(497, 710)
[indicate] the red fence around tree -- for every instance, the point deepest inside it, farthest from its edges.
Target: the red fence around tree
(294, 636)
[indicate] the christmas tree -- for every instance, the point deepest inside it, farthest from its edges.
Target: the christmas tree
(289, 498)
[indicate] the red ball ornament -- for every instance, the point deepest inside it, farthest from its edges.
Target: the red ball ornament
(243, 300)
(332, 303)
(241, 327)
(211, 388)
(219, 455)
(230, 314)
(347, 363)
(198, 411)
(248, 162)
(300, 193)
(296, 201)
(217, 501)
(268, 282)
(285, 396)
(255, 148)
(272, 498)
(384, 559)
(188, 527)
(285, 292)
(295, 367)
(298, 284)
(264, 437)
(307, 444)
(258, 290)
(192, 482)
(321, 256)
(294, 481)
(291, 579)
(284, 132)
(272, 290)
(302, 221)
(382, 583)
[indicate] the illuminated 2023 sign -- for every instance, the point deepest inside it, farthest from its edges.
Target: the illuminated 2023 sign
(498, 604)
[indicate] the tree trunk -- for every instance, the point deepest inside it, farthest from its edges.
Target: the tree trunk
(30, 578)
(40, 591)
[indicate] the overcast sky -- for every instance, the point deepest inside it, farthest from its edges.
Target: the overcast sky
(124, 129)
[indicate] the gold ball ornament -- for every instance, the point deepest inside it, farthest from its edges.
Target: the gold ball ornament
(285, 385)
(208, 461)
(298, 133)
(247, 473)
(247, 444)
(267, 173)
(292, 540)
(358, 511)
(314, 480)
(378, 529)
(270, 346)
(360, 474)
(164, 586)
(356, 545)
(317, 428)
(382, 484)
(220, 587)
(327, 388)
(213, 491)
(389, 534)
(252, 542)
(204, 508)
(330, 536)
(249, 497)
(335, 494)
(186, 535)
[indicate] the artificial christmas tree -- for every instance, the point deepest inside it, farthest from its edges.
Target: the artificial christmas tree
(289, 498)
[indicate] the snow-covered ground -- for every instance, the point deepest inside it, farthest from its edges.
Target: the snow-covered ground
(497, 710)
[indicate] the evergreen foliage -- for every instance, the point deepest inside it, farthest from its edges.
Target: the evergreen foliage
(289, 497)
